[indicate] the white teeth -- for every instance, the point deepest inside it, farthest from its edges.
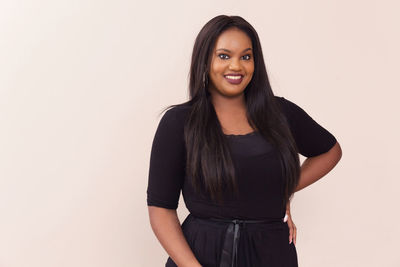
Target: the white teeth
(234, 77)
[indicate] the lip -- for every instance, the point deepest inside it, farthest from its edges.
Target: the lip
(232, 81)
(234, 74)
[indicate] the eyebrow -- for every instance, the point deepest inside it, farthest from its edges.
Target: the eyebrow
(230, 51)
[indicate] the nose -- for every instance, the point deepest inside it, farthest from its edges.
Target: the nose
(234, 65)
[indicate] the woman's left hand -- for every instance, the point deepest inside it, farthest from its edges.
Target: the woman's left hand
(292, 226)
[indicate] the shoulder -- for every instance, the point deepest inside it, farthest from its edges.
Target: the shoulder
(286, 106)
(173, 120)
(296, 116)
(284, 102)
(177, 114)
(180, 109)
(289, 108)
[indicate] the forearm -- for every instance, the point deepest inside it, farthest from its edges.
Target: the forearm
(314, 168)
(167, 228)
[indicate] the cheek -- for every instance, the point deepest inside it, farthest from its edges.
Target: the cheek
(218, 68)
(250, 68)
(250, 71)
(215, 78)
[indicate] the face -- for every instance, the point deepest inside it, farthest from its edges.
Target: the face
(232, 64)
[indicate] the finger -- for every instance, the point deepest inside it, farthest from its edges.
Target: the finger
(294, 233)
(291, 229)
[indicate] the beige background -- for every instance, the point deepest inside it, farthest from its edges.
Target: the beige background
(82, 82)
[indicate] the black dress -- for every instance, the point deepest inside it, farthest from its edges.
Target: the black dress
(259, 181)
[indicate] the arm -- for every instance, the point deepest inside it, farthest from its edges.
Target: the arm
(314, 168)
(166, 226)
(166, 177)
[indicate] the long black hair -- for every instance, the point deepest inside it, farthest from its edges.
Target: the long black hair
(208, 158)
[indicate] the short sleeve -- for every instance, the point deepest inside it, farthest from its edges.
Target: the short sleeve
(312, 139)
(167, 162)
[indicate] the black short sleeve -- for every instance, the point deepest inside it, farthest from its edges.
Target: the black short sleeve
(311, 138)
(167, 162)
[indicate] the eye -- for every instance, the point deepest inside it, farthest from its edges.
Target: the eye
(249, 56)
(221, 56)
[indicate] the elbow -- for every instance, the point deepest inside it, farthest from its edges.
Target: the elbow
(338, 150)
(156, 213)
(159, 217)
(334, 154)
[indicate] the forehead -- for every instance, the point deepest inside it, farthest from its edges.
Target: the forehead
(234, 40)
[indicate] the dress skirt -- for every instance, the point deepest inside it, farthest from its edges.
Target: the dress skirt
(218, 243)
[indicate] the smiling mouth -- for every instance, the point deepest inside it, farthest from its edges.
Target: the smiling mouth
(234, 79)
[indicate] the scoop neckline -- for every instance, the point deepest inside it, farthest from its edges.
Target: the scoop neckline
(240, 135)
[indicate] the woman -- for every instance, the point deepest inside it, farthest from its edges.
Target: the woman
(233, 151)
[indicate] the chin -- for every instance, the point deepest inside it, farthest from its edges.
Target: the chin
(234, 92)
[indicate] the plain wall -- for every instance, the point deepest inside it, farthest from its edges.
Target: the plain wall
(81, 86)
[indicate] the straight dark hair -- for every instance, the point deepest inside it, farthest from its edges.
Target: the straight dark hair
(208, 159)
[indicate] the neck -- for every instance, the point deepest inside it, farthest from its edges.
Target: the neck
(229, 105)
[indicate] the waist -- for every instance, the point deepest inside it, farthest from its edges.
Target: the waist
(235, 221)
(232, 234)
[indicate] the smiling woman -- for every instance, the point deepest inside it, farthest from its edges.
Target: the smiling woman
(233, 150)
(232, 64)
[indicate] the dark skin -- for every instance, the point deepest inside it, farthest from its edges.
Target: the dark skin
(229, 103)
(228, 99)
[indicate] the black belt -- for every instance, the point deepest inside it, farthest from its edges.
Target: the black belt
(229, 250)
